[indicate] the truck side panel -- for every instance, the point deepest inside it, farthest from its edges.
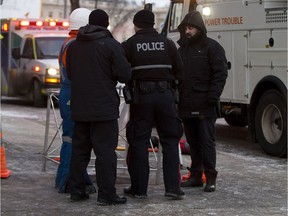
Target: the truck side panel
(265, 60)
(235, 45)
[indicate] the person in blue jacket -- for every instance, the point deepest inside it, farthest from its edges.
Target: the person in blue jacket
(78, 17)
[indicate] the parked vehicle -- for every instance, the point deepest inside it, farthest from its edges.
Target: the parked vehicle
(29, 57)
(254, 36)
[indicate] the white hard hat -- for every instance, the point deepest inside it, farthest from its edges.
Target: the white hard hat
(79, 17)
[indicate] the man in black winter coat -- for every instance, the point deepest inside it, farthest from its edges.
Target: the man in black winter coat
(95, 62)
(205, 68)
(156, 64)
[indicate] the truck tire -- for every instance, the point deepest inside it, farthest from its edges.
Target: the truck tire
(236, 120)
(271, 123)
(38, 99)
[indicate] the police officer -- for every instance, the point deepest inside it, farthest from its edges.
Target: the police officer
(156, 65)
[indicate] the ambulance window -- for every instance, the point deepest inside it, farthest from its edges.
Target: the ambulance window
(49, 47)
(16, 40)
(175, 18)
(28, 49)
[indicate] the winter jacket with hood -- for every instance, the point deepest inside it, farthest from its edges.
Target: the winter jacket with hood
(95, 62)
(155, 62)
(205, 70)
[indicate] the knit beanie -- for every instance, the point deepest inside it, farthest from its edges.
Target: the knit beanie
(144, 19)
(99, 17)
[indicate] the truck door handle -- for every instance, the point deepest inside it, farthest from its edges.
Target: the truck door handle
(229, 65)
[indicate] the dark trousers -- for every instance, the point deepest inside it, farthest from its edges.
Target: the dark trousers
(62, 176)
(104, 141)
(199, 133)
(158, 108)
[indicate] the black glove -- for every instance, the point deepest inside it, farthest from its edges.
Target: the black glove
(127, 94)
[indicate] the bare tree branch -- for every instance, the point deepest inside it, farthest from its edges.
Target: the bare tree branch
(124, 19)
(74, 4)
(114, 11)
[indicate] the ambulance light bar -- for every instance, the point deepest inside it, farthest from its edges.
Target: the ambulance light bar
(5, 27)
(26, 23)
(31, 25)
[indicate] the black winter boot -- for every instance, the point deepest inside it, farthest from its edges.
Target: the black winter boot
(195, 180)
(211, 176)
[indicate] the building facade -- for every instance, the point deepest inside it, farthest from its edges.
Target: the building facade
(120, 12)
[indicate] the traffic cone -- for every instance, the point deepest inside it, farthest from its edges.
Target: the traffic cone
(5, 173)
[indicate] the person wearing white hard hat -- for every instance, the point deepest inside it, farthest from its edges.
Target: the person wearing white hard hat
(78, 17)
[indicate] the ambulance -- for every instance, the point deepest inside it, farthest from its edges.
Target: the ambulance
(29, 57)
(254, 36)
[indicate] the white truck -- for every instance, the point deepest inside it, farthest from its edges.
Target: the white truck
(29, 57)
(254, 36)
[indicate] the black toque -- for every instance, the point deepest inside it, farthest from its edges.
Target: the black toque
(144, 19)
(99, 17)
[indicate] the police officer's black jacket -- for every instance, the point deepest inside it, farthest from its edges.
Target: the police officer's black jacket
(205, 69)
(153, 57)
(95, 62)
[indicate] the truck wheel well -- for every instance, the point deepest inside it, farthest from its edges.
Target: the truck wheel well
(266, 84)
